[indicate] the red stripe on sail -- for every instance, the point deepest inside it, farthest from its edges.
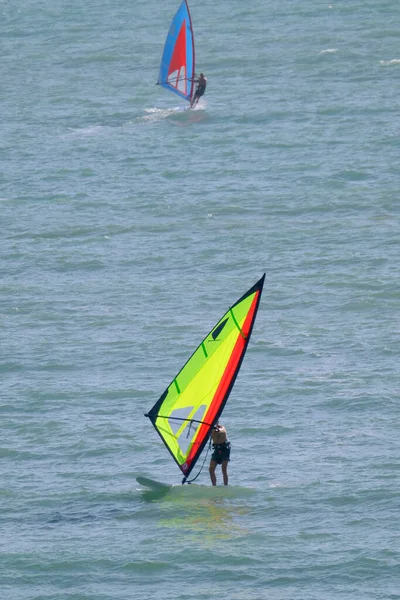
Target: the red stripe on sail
(178, 59)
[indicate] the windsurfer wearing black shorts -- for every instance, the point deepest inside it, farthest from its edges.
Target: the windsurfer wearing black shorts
(200, 89)
(221, 454)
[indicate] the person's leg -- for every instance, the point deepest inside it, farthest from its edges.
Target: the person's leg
(213, 478)
(225, 471)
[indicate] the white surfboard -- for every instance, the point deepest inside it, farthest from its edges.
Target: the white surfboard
(152, 484)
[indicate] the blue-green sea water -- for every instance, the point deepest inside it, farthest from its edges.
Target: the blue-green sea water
(128, 226)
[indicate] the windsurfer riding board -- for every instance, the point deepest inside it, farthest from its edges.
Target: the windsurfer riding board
(200, 89)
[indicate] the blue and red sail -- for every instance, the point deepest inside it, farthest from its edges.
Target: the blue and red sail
(178, 59)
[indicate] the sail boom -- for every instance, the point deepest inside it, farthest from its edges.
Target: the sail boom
(178, 419)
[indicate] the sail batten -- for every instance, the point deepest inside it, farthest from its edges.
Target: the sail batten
(184, 415)
(177, 67)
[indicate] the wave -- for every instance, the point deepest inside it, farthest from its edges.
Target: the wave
(389, 63)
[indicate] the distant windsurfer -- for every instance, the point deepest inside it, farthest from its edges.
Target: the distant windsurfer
(221, 454)
(200, 89)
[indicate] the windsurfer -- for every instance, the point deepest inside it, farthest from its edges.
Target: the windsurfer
(221, 454)
(200, 89)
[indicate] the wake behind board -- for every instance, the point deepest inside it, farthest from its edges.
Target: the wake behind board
(152, 484)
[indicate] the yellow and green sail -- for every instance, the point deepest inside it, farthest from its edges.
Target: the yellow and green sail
(186, 412)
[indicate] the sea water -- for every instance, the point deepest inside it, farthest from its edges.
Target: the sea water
(129, 225)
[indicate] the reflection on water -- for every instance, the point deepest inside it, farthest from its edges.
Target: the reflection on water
(211, 512)
(213, 518)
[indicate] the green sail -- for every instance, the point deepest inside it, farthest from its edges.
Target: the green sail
(185, 413)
